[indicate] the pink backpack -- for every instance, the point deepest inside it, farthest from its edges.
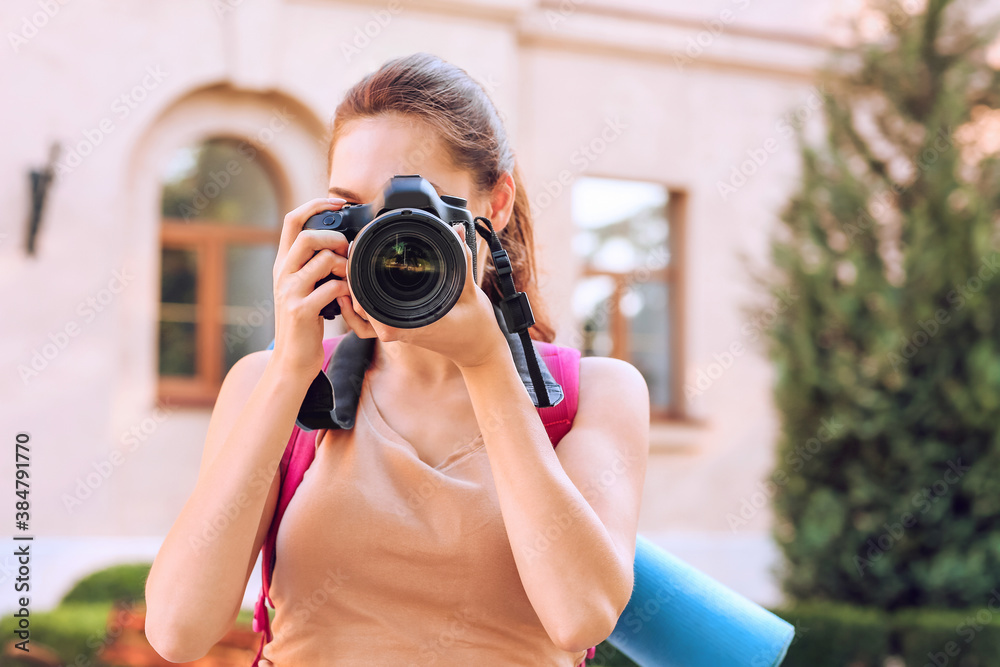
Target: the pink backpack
(564, 365)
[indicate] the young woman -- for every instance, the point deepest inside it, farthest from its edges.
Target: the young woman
(444, 528)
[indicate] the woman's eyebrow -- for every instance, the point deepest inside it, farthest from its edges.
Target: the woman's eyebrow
(345, 194)
(353, 196)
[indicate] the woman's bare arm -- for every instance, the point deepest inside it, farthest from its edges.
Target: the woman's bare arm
(571, 513)
(194, 590)
(198, 578)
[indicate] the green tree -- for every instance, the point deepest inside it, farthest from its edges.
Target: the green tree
(888, 358)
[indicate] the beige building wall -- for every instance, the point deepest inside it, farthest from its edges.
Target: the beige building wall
(666, 91)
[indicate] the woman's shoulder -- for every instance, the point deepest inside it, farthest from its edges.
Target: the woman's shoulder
(610, 376)
(613, 408)
(253, 363)
(613, 395)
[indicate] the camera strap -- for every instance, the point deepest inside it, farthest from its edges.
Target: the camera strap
(332, 399)
(515, 308)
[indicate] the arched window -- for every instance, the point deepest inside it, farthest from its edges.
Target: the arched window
(220, 226)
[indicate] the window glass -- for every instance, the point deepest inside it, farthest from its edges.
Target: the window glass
(178, 311)
(622, 300)
(220, 181)
(248, 319)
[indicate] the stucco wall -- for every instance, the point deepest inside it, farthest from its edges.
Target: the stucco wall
(677, 94)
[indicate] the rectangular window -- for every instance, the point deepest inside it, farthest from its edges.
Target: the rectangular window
(628, 299)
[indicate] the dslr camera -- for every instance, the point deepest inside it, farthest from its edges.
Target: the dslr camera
(406, 266)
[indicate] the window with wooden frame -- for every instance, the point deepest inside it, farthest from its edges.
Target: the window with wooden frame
(221, 223)
(629, 298)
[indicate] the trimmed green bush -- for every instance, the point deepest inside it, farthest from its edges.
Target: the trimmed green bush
(607, 655)
(836, 635)
(950, 638)
(120, 583)
(71, 630)
(245, 617)
(77, 627)
(887, 347)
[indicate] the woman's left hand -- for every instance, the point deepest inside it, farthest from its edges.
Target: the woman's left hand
(468, 334)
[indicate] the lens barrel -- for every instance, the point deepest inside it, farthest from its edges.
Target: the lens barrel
(407, 268)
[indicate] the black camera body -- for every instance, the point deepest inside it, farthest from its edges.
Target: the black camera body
(406, 266)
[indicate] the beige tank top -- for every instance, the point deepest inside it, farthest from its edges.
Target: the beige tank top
(384, 560)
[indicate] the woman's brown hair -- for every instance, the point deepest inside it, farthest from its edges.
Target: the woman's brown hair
(447, 99)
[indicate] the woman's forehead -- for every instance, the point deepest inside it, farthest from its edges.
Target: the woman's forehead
(369, 151)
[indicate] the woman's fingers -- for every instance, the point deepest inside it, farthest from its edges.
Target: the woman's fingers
(308, 243)
(361, 327)
(300, 283)
(323, 263)
(325, 294)
(297, 217)
(294, 219)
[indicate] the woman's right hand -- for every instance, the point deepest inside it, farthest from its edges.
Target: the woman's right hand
(304, 258)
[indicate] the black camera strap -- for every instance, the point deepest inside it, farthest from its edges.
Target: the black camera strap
(515, 308)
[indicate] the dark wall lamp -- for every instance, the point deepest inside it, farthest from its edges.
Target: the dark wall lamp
(40, 181)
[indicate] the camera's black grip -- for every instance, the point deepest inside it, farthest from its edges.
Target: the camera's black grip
(332, 309)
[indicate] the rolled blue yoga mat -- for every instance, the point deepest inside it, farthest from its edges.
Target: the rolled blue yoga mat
(681, 617)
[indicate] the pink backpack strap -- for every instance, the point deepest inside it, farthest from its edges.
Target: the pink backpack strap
(296, 459)
(564, 364)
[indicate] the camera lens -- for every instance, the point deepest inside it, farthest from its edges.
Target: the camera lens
(407, 268)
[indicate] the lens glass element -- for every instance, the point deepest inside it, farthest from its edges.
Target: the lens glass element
(408, 267)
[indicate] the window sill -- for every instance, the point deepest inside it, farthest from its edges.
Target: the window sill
(676, 436)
